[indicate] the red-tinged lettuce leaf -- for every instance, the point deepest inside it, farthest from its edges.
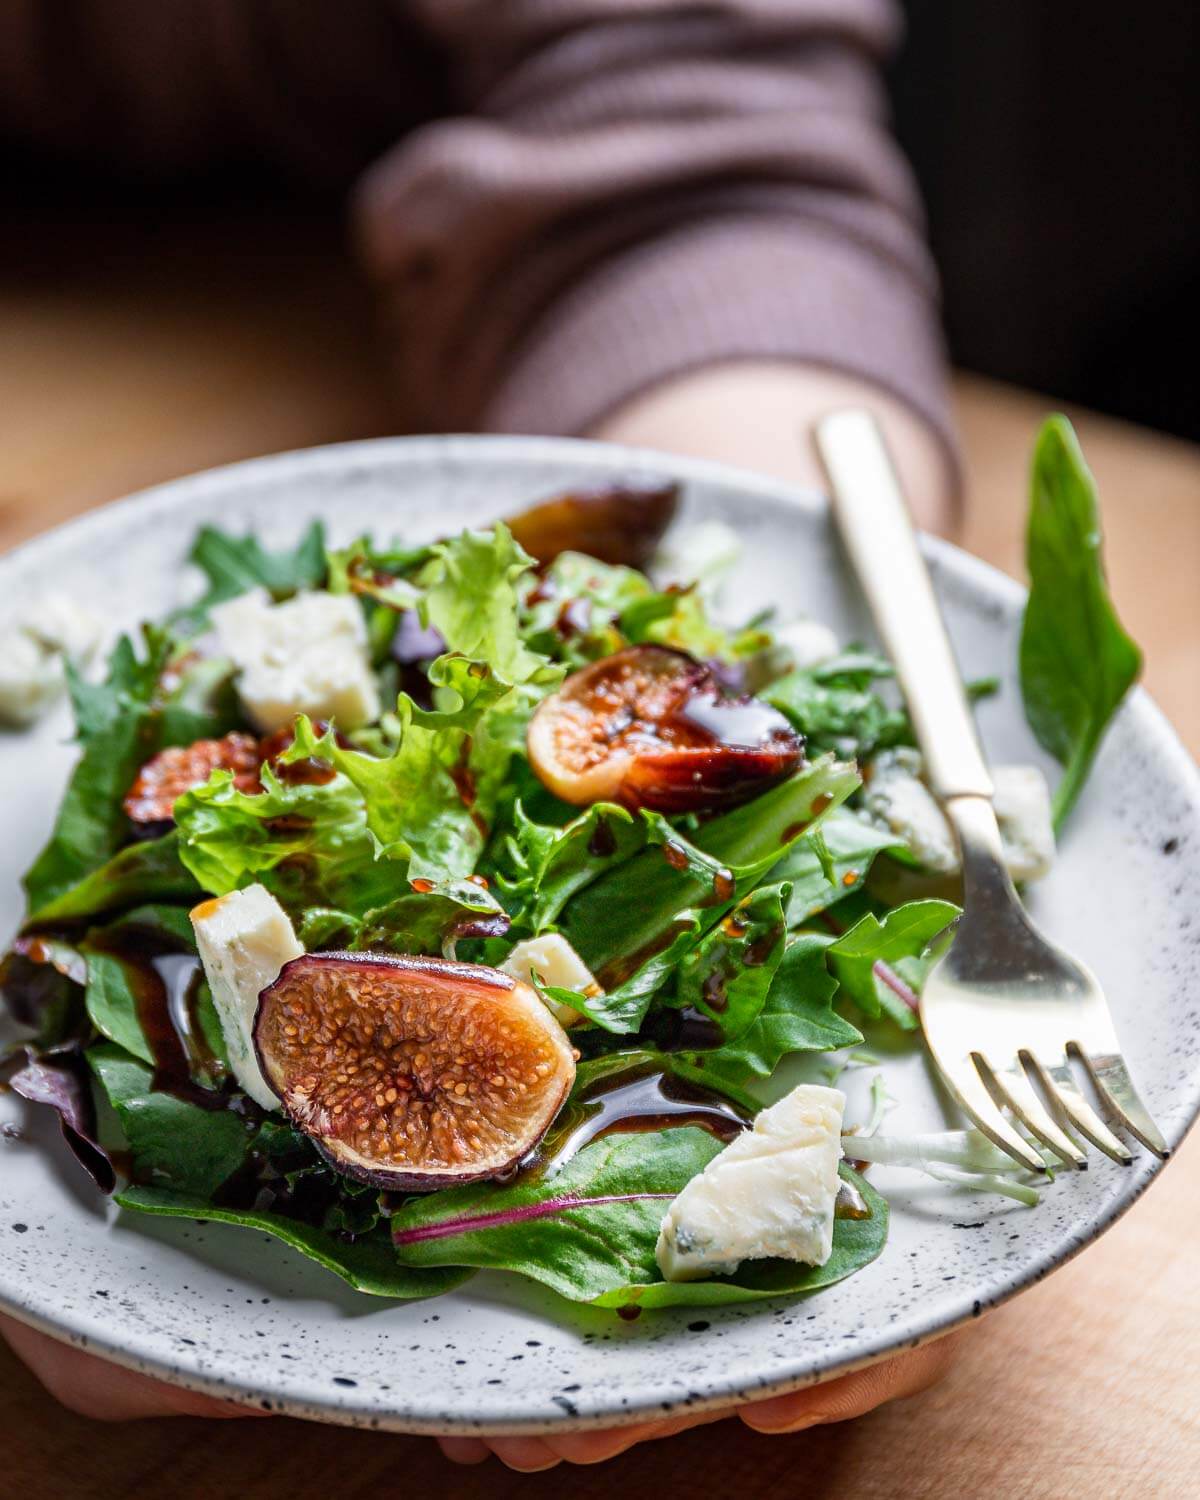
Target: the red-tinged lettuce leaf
(60, 1080)
(589, 1230)
(366, 1263)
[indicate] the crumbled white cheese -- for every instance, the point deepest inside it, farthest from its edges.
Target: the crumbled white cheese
(895, 798)
(306, 656)
(244, 939)
(33, 651)
(1022, 803)
(804, 643)
(556, 965)
(771, 1192)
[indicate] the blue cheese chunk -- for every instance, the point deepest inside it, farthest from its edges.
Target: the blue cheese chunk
(34, 649)
(306, 656)
(771, 1192)
(896, 799)
(552, 961)
(244, 939)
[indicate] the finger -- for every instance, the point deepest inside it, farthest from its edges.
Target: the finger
(461, 1450)
(597, 1447)
(853, 1394)
(526, 1455)
(106, 1392)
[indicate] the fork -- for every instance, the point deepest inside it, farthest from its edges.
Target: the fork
(1004, 1009)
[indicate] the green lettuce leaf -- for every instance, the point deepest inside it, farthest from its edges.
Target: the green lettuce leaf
(622, 919)
(589, 1231)
(728, 975)
(862, 957)
(1077, 661)
(172, 1143)
(851, 845)
(118, 726)
(367, 1262)
(234, 565)
(433, 921)
(148, 871)
(551, 863)
(796, 1016)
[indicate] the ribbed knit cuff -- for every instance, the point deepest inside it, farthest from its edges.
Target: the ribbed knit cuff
(767, 287)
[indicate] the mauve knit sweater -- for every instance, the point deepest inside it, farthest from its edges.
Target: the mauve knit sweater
(563, 201)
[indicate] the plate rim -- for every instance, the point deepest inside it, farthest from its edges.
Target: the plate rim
(975, 575)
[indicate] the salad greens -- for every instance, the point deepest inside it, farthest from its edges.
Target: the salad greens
(723, 939)
(1077, 661)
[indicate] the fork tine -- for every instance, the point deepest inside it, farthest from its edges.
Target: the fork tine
(1017, 1092)
(968, 1088)
(1063, 1093)
(1111, 1077)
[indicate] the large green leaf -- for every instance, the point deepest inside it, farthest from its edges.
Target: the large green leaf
(173, 1143)
(147, 871)
(851, 845)
(1077, 661)
(589, 1230)
(367, 1262)
(728, 975)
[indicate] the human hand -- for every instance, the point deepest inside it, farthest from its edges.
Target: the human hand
(108, 1393)
(836, 1401)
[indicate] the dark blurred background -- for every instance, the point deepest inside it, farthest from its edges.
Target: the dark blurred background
(1058, 147)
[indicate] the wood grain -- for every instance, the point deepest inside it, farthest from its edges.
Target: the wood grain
(130, 354)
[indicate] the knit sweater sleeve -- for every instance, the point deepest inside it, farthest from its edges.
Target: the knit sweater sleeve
(624, 190)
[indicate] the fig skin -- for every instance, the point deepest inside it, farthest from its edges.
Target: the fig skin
(150, 802)
(650, 727)
(620, 523)
(412, 1073)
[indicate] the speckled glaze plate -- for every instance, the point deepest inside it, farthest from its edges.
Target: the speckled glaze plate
(237, 1314)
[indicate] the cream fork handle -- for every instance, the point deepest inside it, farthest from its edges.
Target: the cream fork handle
(878, 534)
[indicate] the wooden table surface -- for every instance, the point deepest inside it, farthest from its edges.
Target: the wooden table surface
(133, 353)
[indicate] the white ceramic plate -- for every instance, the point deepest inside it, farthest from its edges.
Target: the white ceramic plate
(233, 1312)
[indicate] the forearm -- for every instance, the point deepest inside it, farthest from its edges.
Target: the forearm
(759, 414)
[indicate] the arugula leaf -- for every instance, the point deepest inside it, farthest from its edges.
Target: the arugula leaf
(553, 863)
(1077, 661)
(235, 565)
(627, 912)
(622, 1008)
(148, 871)
(173, 1143)
(728, 975)
(836, 710)
(857, 956)
(367, 1262)
(851, 844)
(796, 1016)
(589, 1231)
(117, 723)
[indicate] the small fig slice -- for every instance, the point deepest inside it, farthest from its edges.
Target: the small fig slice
(650, 727)
(412, 1073)
(150, 802)
(617, 523)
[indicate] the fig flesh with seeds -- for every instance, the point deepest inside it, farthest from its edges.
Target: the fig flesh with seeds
(149, 803)
(650, 727)
(412, 1073)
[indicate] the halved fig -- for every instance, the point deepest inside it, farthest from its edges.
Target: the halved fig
(150, 802)
(412, 1073)
(617, 523)
(650, 727)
